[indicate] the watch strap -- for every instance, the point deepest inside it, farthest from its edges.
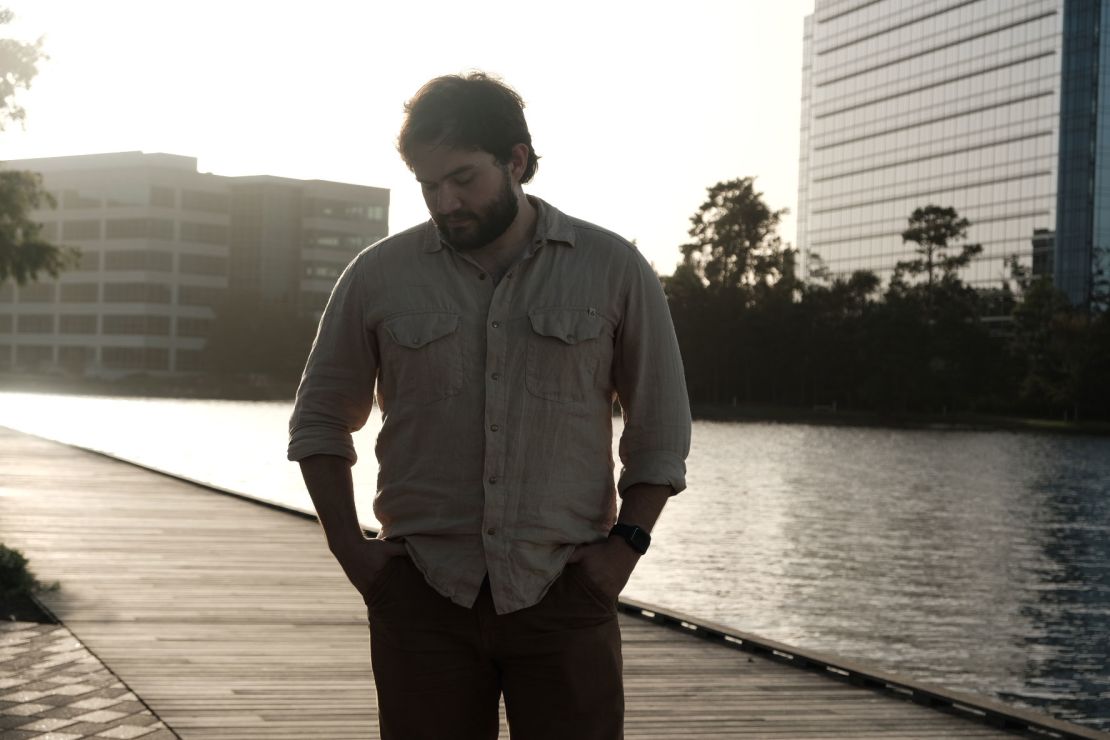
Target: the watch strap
(637, 538)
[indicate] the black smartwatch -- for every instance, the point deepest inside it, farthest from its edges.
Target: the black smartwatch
(638, 539)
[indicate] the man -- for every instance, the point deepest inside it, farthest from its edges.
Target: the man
(496, 337)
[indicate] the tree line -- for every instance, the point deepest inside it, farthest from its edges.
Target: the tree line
(753, 332)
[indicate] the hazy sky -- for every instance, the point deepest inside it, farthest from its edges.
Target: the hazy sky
(634, 109)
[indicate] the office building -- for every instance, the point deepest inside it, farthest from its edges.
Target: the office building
(165, 249)
(994, 107)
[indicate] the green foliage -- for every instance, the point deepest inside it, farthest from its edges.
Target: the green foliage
(23, 252)
(926, 343)
(18, 66)
(734, 241)
(16, 579)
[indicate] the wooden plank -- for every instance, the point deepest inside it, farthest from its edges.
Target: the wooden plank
(232, 620)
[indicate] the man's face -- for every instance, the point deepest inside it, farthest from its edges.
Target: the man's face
(469, 195)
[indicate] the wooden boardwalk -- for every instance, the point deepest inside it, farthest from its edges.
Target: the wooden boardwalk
(232, 621)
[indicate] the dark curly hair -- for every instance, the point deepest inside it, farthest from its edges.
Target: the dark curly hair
(470, 111)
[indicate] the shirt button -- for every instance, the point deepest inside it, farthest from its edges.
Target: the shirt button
(496, 324)
(496, 376)
(494, 427)
(482, 276)
(493, 479)
(491, 531)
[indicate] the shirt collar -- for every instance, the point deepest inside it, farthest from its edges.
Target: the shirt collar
(552, 226)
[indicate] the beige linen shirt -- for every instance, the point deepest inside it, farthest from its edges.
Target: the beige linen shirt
(495, 450)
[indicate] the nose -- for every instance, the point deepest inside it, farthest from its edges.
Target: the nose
(446, 199)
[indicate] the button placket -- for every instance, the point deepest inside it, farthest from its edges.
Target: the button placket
(495, 412)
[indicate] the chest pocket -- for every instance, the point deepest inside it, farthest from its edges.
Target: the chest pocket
(421, 357)
(564, 353)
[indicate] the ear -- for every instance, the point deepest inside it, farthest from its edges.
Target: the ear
(518, 161)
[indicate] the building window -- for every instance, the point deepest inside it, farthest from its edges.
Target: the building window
(204, 233)
(5, 356)
(139, 259)
(125, 194)
(50, 230)
(139, 228)
(200, 295)
(202, 264)
(5, 323)
(7, 292)
(77, 230)
(80, 292)
(72, 199)
(140, 324)
(76, 359)
(136, 358)
(76, 324)
(136, 293)
(37, 293)
(163, 197)
(191, 360)
(187, 327)
(322, 271)
(200, 200)
(35, 323)
(90, 261)
(33, 356)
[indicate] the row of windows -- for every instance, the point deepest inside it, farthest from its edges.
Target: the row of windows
(330, 208)
(1012, 121)
(135, 228)
(1019, 180)
(109, 324)
(948, 95)
(960, 169)
(188, 295)
(890, 217)
(112, 195)
(940, 36)
(149, 260)
(335, 240)
(35, 357)
(1028, 100)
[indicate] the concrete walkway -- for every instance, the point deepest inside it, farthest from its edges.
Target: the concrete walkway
(52, 687)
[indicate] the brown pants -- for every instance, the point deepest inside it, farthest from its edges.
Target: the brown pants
(440, 668)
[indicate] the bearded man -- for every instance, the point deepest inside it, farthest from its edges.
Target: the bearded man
(496, 338)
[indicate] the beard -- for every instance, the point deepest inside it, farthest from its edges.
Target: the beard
(483, 226)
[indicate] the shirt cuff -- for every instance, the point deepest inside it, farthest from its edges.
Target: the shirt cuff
(657, 468)
(308, 441)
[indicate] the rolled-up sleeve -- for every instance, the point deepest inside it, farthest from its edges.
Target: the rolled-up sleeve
(337, 388)
(651, 386)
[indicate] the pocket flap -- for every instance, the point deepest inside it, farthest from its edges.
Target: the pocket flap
(568, 325)
(419, 329)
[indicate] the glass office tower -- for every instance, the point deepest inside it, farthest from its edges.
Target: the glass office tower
(990, 106)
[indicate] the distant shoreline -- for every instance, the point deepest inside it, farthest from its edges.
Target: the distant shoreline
(253, 388)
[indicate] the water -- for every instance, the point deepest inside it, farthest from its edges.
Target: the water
(976, 560)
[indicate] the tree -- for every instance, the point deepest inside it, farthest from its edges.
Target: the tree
(18, 66)
(735, 243)
(23, 251)
(935, 230)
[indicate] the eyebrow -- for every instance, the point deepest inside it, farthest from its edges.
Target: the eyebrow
(453, 173)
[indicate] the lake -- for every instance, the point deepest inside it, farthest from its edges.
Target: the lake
(976, 560)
